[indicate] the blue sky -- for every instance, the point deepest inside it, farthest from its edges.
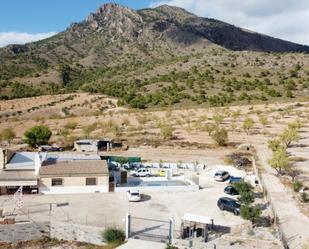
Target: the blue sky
(40, 16)
(23, 21)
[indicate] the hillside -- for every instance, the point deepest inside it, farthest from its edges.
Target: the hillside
(161, 56)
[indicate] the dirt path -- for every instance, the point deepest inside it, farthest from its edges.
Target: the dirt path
(293, 223)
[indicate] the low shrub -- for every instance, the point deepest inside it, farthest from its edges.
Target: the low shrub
(251, 213)
(112, 235)
(304, 197)
(297, 185)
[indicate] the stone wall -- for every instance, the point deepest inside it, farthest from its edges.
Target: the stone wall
(76, 232)
(23, 231)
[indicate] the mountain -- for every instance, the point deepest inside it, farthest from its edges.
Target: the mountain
(113, 48)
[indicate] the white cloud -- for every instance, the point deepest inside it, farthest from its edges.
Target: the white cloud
(21, 38)
(285, 19)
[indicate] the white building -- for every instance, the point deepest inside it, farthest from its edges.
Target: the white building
(52, 173)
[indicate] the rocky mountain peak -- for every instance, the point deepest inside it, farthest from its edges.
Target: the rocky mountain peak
(109, 7)
(112, 14)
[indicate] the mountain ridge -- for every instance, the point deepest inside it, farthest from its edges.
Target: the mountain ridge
(139, 54)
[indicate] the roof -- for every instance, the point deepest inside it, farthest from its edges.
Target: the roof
(87, 141)
(197, 218)
(22, 161)
(73, 167)
(17, 174)
(70, 156)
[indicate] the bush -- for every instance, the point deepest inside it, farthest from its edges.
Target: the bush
(220, 136)
(7, 134)
(304, 197)
(71, 125)
(245, 191)
(167, 131)
(248, 125)
(37, 135)
(297, 185)
(251, 213)
(112, 235)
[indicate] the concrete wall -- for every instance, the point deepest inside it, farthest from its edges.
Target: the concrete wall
(186, 188)
(73, 185)
(23, 232)
(75, 232)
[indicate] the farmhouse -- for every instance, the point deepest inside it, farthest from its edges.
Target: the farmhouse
(73, 176)
(52, 173)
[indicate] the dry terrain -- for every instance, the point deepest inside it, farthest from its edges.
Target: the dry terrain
(144, 134)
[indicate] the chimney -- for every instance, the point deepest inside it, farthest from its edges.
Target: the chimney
(37, 163)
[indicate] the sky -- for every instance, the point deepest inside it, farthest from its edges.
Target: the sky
(23, 21)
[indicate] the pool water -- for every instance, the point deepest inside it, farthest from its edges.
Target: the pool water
(159, 183)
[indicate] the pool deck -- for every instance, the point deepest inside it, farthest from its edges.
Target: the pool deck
(157, 184)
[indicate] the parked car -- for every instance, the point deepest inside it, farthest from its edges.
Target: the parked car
(221, 175)
(141, 173)
(234, 179)
(134, 195)
(230, 190)
(129, 167)
(229, 204)
(113, 166)
(48, 148)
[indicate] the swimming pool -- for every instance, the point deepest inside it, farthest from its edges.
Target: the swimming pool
(158, 183)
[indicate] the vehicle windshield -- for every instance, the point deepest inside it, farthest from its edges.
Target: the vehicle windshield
(135, 194)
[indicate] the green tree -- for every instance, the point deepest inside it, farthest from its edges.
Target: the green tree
(248, 124)
(274, 144)
(280, 160)
(298, 124)
(65, 73)
(220, 136)
(8, 135)
(37, 135)
(245, 191)
(263, 120)
(218, 118)
(251, 213)
(288, 136)
(209, 128)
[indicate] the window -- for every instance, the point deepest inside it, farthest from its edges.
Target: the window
(91, 181)
(57, 182)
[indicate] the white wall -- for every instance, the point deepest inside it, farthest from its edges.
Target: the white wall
(74, 190)
(185, 188)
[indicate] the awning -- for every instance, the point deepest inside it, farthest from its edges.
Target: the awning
(197, 218)
(18, 183)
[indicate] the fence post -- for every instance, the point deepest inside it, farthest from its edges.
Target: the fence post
(128, 226)
(171, 231)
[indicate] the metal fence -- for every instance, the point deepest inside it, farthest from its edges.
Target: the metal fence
(150, 229)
